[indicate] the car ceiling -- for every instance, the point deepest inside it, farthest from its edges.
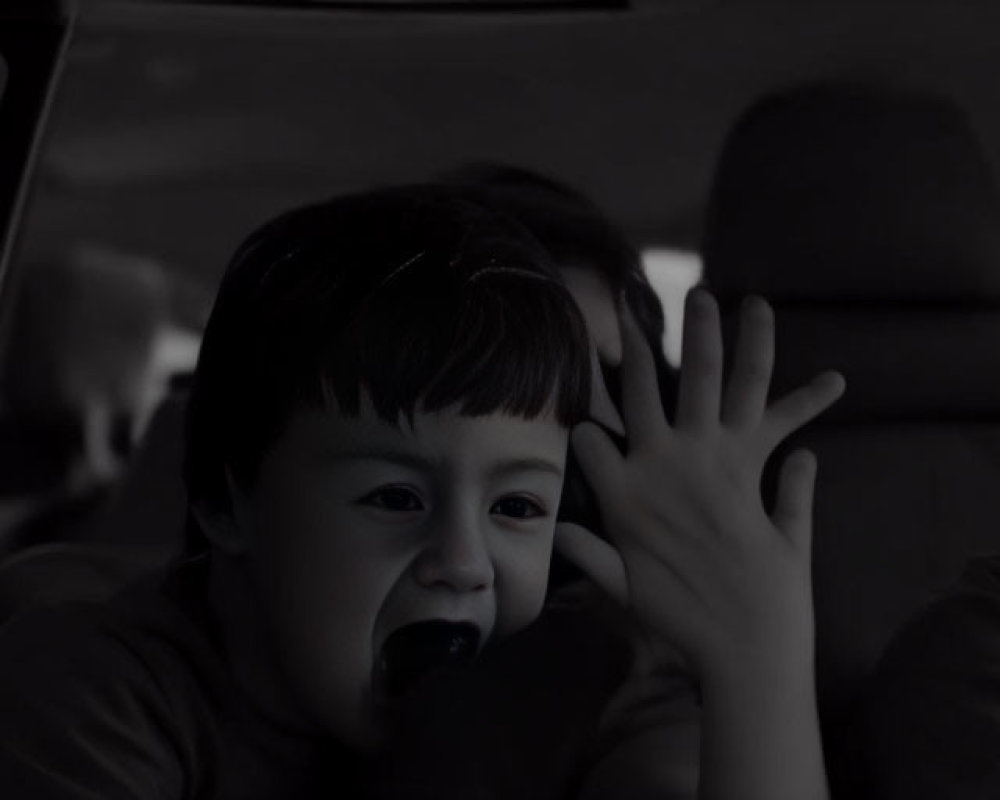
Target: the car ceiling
(175, 130)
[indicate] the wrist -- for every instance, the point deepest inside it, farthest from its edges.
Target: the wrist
(771, 672)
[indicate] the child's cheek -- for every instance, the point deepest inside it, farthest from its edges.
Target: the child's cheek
(522, 581)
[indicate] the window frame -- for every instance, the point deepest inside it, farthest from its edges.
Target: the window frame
(34, 35)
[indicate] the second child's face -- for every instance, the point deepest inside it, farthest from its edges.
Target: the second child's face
(357, 529)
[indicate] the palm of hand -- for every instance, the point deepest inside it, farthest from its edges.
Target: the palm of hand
(693, 552)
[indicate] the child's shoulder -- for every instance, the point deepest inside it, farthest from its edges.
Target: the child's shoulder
(155, 632)
(107, 698)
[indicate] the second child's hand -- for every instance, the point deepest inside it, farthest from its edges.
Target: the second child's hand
(694, 556)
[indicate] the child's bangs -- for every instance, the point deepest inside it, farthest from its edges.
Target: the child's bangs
(494, 340)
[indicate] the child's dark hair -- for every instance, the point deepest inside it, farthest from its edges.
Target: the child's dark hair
(418, 296)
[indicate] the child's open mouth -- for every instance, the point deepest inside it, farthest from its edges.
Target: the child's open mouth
(417, 649)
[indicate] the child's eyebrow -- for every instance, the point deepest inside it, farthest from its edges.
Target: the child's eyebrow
(516, 465)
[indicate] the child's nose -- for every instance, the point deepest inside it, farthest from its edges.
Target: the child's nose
(456, 556)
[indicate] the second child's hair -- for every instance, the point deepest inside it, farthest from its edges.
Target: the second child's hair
(576, 233)
(418, 297)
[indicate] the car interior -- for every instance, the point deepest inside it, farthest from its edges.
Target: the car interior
(140, 140)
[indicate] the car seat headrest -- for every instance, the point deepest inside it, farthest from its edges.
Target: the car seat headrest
(838, 192)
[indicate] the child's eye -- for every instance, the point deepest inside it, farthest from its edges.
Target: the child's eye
(517, 507)
(394, 498)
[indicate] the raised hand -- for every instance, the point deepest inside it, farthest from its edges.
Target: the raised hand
(692, 552)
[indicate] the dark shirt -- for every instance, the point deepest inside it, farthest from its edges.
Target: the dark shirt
(932, 726)
(132, 699)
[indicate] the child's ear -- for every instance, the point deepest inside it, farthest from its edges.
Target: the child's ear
(220, 523)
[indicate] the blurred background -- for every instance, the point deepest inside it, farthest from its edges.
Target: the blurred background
(179, 126)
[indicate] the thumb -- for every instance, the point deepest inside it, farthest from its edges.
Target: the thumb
(597, 559)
